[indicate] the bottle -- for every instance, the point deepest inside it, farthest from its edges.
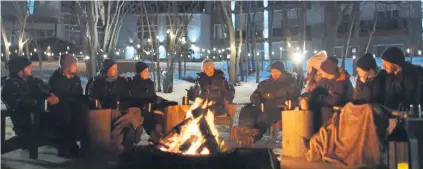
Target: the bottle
(46, 105)
(411, 113)
(96, 104)
(117, 105)
(420, 110)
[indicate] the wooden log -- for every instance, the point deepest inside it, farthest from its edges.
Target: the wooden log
(297, 129)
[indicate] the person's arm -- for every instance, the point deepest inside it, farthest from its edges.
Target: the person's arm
(16, 100)
(256, 97)
(229, 91)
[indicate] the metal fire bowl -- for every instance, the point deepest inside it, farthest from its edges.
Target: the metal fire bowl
(155, 150)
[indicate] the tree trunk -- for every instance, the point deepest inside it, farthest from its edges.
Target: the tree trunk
(272, 14)
(247, 40)
(6, 44)
(286, 30)
(179, 66)
(225, 7)
(240, 45)
(253, 42)
(372, 31)
(353, 17)
(333, 16)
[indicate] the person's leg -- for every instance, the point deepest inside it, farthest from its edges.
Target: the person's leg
(265, 120)
(248, 116)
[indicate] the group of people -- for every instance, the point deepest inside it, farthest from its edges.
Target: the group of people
(68, 106)
(327, 86)
(397, 86)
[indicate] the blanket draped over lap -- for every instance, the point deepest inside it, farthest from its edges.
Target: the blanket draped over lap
(349, 139)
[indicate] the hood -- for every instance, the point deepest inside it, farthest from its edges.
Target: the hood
(217, 73)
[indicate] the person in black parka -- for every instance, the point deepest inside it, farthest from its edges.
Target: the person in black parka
(369, 83)
(215, 87)
(272, 93)
(109, 88)
(401, 86)
(66, 85)
(143, 92)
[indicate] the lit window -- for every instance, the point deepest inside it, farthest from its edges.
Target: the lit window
(30, 6)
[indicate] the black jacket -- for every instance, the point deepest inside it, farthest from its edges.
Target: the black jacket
(109, 92)
(216, 87)
(334, 92)
(24, 96)
(402, 89)
(274, 93)
(66, 89)
(371, 91)
(142, 91)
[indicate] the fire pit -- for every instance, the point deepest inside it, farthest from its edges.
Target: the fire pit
(195, 143)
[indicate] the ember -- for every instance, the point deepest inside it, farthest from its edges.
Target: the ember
(196, 135)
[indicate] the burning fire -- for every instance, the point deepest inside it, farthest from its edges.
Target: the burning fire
(195, 135)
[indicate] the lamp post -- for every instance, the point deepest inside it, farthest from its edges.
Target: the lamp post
(408, 53)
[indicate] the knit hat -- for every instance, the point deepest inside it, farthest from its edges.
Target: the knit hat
(18, 63)
(278, 65)
(366, 62)
(329, 66)
(140, 66)
(107, 63)
(316, 60)
(394, 55)
(66, 60)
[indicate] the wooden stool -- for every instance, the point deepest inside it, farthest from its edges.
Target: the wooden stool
(99, 125)
(297, 129)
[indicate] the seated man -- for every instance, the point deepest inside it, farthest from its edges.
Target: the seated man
(269, 99)
(24, 94)
(66, 85)
(112, 92)
(401, 85)
(215, 87)
(143, 92)
(332, 90)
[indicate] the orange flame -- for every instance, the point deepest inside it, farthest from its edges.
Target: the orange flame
(190, 133)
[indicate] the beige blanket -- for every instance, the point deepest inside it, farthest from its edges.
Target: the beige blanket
(349, 140)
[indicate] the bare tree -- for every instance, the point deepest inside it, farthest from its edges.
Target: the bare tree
(177, 25)
(22, 16)
(355, 12)
(373, 29)
(333, 16)
(240, 42)
(270, 38)
(5, 42)
(247, 40)
(255, 65)
(226, 10)
(88, 14)
(112, 14)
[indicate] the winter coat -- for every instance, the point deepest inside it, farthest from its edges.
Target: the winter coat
(66, 89)
(334, 92)
(143, 91)
(216, 87)
(371, 91)
(274, 93)
(402, 89)
(23, 97)
(109, 92)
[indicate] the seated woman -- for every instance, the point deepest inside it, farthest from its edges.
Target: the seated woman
(314, 74)
(332, 90)
(143, 92)
(353, 138)
(269, 99)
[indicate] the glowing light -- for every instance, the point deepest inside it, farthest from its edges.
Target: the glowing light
(149, 40)
(87, 58)
(408, 50)
(354, 56)
(130, 41)
(419, 52)
(298, 57)
(35, 49)
(280, 48)
(214, 49)
(117, 52)
(289, 44)
(80, 53)
(105, 56)
(314, 51)
(138, 46)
